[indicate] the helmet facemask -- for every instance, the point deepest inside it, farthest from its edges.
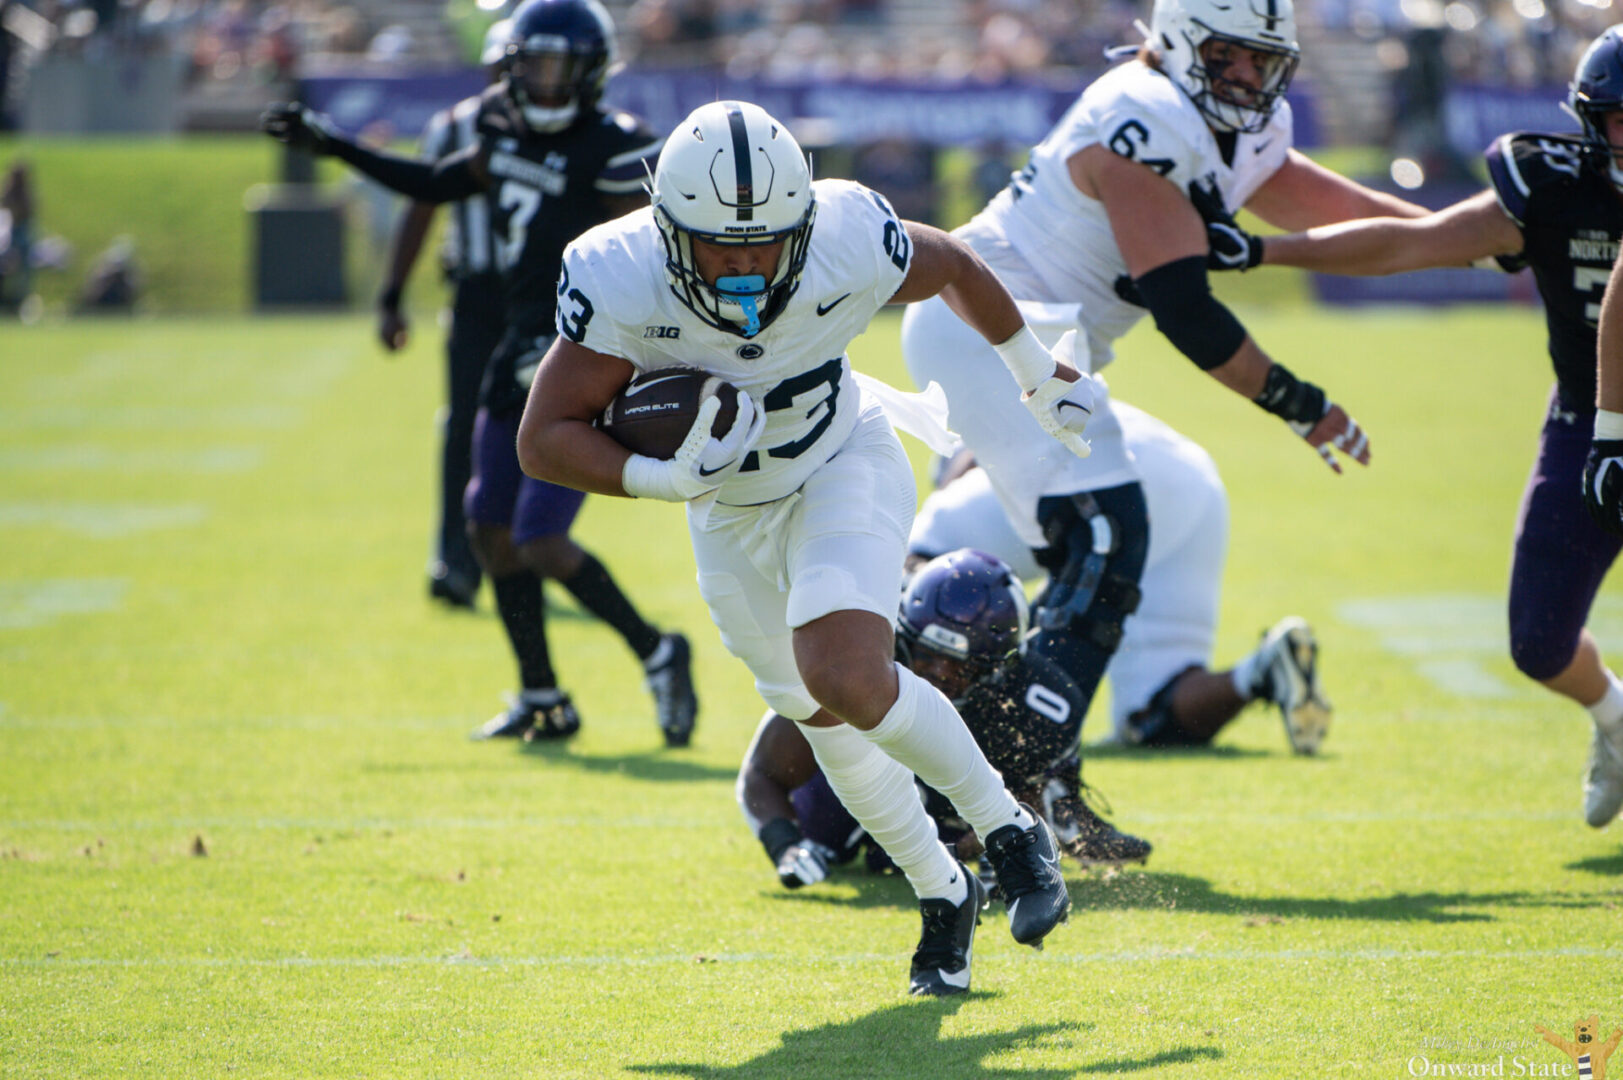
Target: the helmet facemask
(550, 82)
(730, 175)
(1232, 105)
(1199, 41)
(742, 305)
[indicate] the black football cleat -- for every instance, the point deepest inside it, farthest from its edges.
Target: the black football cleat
(531, 721)
(452, 588)
(941, 962)
(1086, 835)
(1096, 842)
(1027, 866)
(671, 683)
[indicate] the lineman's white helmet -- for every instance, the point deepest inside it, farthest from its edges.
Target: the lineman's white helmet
(1179, 28)
(731, 174)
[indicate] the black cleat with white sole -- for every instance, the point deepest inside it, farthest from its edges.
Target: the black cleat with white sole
(670, 680)
(1027, 866)
(532, 720)
(941, 962)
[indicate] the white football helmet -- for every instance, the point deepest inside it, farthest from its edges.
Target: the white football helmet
(1179, 29)
(730, 174)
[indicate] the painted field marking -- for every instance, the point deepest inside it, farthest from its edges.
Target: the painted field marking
(1456, 640)
(25, 604)
(100, 521)
(105, 459)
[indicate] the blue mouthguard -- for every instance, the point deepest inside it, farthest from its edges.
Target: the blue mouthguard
(745, 290)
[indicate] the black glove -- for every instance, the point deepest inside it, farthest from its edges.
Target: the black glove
(296, 125)
(1231, 247)
(1603, 484)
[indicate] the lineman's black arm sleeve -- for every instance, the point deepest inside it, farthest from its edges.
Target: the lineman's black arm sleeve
(1189, 315)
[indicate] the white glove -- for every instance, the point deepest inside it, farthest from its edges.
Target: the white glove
(1064, 408)
(703, 462)
(805, 863)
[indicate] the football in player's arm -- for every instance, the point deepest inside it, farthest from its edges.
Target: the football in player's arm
(1555, 204)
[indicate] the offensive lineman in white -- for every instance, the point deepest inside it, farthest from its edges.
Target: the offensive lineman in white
(1162, 692)
(1099, 227)
(799, 514)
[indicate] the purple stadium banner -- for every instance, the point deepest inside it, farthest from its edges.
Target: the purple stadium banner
(1015, 113)
(1476, 115)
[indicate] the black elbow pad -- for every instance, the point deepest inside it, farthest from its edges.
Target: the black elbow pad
(1185, 310)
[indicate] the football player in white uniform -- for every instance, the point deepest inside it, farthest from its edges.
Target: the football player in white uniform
(1099, 227)
(799, 512)
(1162, 692)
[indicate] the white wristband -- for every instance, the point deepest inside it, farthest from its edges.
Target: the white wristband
(1027, 360)
(1608, 424)
(644, 477)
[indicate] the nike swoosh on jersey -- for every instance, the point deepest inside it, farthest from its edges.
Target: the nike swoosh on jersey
(632, 391)
(824, 309)
(1260, 147)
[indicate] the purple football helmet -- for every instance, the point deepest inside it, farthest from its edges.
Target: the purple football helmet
(559, 54)
(966, 605)
(1597, 89)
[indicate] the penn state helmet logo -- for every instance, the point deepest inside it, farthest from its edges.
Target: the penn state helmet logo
(750, 351)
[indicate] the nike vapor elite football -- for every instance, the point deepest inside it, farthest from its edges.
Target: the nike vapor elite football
(655, 411)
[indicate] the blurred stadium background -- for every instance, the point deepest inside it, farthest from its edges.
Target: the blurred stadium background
(932, 101)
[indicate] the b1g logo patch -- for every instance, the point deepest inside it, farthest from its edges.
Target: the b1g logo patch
(750, 351)
(662, 331)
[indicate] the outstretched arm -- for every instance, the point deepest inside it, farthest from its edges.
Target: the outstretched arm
(1457, 235)
(1163, 241)
(457, 176)
(1302, 193)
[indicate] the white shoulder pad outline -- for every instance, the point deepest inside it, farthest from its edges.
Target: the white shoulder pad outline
(605, 266)
(852, 218)
(1139, 114)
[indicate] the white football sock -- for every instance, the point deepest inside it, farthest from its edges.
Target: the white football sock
(1247, 677)
(1608, 711)
(881, 795)
(925, 733)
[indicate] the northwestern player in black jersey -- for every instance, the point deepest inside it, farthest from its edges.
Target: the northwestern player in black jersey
(962, 627)
(550, 161)
(1555, 204)
(476, 325)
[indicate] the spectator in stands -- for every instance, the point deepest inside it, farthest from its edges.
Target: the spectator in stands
(16, 236)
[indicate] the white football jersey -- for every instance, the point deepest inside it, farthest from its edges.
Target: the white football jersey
(1050, 242)
(613, 297)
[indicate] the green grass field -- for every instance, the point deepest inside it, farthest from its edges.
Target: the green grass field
(242, 832)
